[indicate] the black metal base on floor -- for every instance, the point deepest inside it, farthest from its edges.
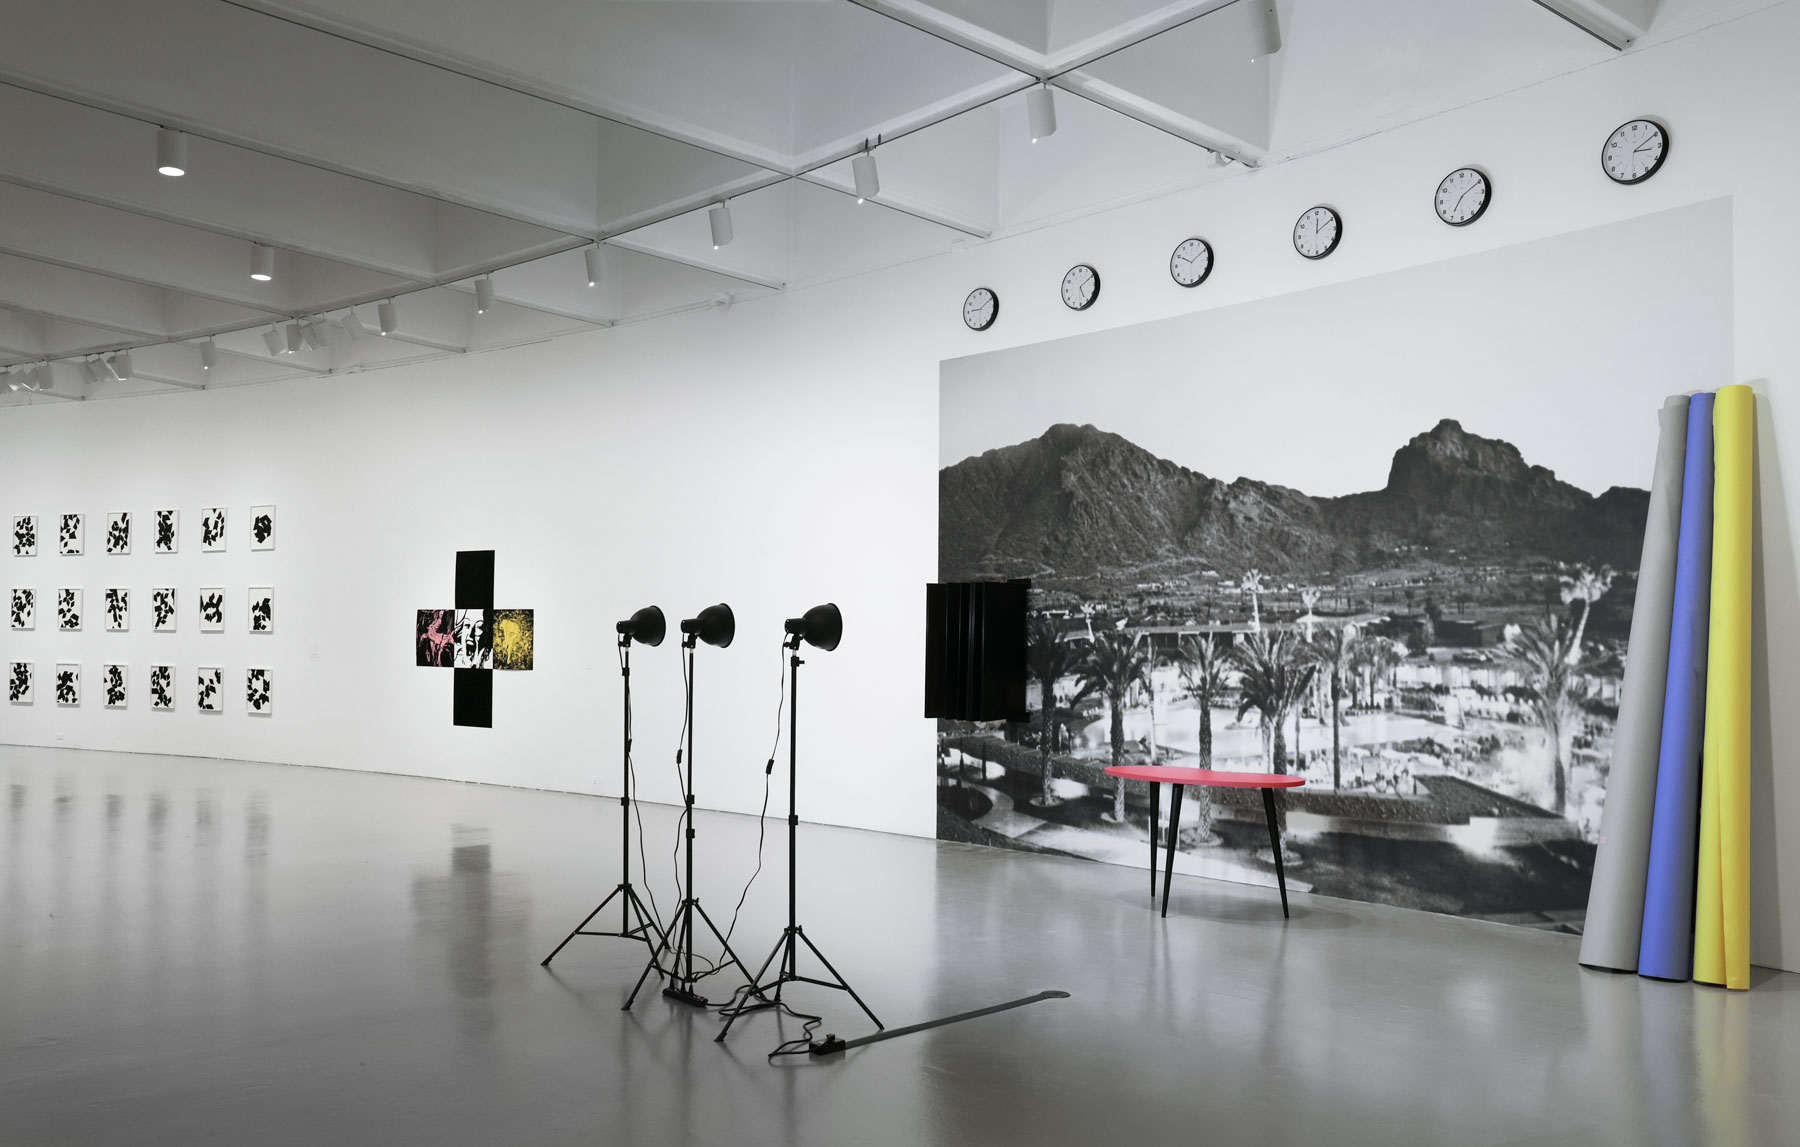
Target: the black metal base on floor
(1269, 814)
(631, 906)
(788, 949)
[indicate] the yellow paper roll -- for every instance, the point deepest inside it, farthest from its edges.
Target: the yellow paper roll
(1722, 892)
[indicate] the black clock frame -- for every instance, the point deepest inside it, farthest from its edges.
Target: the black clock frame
(1668, 146)
(1092, 299)
(992, 319)
(1212, 260)
(1486, 202)
(1339, 238)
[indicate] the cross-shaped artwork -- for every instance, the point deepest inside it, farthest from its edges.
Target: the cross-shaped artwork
(474, 639)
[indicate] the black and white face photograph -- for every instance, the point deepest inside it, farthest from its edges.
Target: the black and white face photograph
(25, 536)
(19, 682)
(113, 681)
(70, 533)
(118, 609)
(168, 532)
(162, 688)
(212, 529)
(23, 614)
(474, 639)
(262, 609)
(118, 533)
(212, 609)
(208, 689)
(262, 527)
(68, 684)
(68, 609)
(162, 609)
(1392, 575)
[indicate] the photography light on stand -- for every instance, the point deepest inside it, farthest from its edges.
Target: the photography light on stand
(636, 922)
(821, 627)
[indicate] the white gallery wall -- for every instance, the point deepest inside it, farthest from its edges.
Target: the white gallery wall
(785, 451)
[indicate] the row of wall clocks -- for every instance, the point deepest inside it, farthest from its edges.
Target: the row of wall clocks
(1632, 153)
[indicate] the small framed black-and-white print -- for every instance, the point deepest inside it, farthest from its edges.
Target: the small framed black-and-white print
(19, 682)
(112, 686)
(25, 530)
(68, 684)
(207, 689)
(259, 692)
(118, 533)
(23, 614)
(162, 610)
(162, 688)
(212, 529)
(70, 534)
(68, 610)
(262, 527)
(118, 609)
(262, 609)
(167, 526)
(212, 609)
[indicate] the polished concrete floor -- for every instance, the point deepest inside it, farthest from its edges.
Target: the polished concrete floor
(209, 952)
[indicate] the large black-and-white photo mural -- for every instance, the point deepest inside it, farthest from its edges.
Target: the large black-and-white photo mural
(1382, 535)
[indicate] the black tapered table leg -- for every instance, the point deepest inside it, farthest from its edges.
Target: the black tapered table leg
(1275, 845)
(1169, 862)
(1155, 819)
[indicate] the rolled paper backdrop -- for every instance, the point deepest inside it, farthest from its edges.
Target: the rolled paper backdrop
(1667, 949)
(1615, 911)
(1722, 899)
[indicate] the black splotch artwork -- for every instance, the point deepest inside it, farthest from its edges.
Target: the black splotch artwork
(162, 610)
(118, 610)
(68, 609)
(262, 527)
(462, 639)
(25, 532)
(112, 685)
(262, 609)
(212, 529)
(210, 683)
(68, 684)
(259, 692)
(162, 687)
(168, 526)
(70, 534)
(18, 683)
(212, 610)
(118, 533)
(24, 609)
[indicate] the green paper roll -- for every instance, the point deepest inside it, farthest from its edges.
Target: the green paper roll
(1615, 912)
(1722, 891)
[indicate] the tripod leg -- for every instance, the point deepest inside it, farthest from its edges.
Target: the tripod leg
(656, 955)
(738, 1012)
(726, 945)
(840, 979)
(578, 928)
(645, 919)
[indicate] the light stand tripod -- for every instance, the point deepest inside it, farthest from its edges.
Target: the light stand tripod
(788, 947)
(678, 940)
(631, 906)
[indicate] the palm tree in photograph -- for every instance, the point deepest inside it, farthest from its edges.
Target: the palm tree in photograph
(1252, 585)
(1204, 664)
(1587, 586)
(1546, 654)
(1052, 657)
(1335, 652)
(1116, 661)
(1375, 657)
(1273, 675)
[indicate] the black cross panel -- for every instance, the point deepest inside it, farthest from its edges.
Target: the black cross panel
(474, 704)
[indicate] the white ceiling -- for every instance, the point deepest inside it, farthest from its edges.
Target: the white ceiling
(401, 148)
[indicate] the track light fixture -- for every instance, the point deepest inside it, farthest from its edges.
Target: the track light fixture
(12, 382)
(388, 324)
(484, 294)
(272, 340)
(868, 181)
(720, 219)
(120, 365)
(89, 373)
(209, 355)
(353, 326)
(821, 627)
(313, 332)
(295, 340)
(171, 152)
(1040, 108)
(715, 625)
(646, 627)
(43, 378)
(262, 262)
(595, 271)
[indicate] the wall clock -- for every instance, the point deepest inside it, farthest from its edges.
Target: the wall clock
(1317, 232)
(1463, 196)
(1080, 287)
(981, 308)
(1191, 262)
(1635, 151)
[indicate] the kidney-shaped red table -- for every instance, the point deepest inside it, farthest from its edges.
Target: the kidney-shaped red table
(1159, 775)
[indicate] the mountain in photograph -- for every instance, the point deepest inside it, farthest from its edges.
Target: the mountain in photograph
(1078, 500)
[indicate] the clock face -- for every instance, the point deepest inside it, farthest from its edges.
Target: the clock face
(981, 308)
(1317, 232)
(1463, 196)
(1080, 287)
(1635, 151)
(1191, 262)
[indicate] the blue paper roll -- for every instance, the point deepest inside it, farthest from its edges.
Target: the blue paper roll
(1666, 951)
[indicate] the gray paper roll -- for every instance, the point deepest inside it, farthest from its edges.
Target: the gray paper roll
(1615, 913)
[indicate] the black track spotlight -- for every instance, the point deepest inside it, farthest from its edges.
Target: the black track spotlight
(823, 626)
(646, 627)
(715, 625)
